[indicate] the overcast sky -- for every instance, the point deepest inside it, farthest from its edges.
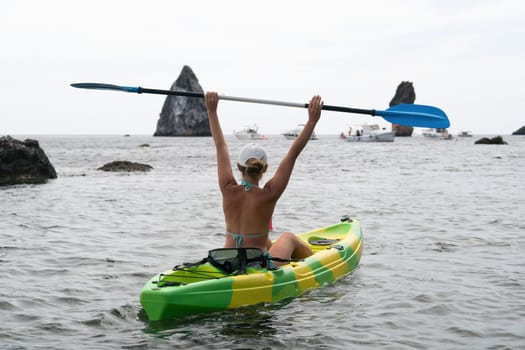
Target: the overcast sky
(466, 57)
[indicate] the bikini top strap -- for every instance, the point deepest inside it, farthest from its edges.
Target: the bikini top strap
(239, 239)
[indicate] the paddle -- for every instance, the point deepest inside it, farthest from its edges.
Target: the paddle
(402, 114)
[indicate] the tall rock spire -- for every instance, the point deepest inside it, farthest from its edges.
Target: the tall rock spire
(404, 94)
(184, 116)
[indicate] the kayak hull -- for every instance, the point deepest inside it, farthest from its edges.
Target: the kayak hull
(205, 288)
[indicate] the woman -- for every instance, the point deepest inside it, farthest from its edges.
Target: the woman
(248, 209)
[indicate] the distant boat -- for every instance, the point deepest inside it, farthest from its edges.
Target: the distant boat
(249, 133)
(371, 133)
(292, 134)
(465, 134)
(437, 134)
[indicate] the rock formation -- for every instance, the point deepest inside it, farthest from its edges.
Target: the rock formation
(184, 116)
(23, 162)
(125, 166)
(497, 140)
(404, 94)
(520, 131)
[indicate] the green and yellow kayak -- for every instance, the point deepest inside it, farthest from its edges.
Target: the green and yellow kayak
(199, 288)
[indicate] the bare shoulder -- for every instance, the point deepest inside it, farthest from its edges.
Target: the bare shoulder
(273, 188)
(230, 186)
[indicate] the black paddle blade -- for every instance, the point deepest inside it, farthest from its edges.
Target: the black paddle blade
(101, 86)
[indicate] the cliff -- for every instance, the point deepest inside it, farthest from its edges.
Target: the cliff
(184, 116)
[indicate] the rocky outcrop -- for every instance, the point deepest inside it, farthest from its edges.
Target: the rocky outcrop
(497, 140)
(23, 162)
(404, 94)
(520, 131)
(184, 116)
(125, 166)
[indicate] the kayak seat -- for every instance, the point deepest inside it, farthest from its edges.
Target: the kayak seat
(236, 260)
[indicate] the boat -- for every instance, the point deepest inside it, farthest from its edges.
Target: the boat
(249, 133)
(204, 287)
(371, 133)
(292, 134)
(437, 134)
(465, 134)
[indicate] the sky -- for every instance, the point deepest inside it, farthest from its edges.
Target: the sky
(465, 57)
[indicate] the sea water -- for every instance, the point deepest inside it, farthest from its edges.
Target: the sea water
(443, 264)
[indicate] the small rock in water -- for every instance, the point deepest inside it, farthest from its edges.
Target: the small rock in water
(125, 166)
(497, 140)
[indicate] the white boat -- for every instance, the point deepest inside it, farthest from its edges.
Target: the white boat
(249, 133)
(292, 134)
(430, 134)
(371, 133)
(437, 134)
(465, 134)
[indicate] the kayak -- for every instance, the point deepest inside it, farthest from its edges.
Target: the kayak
(205, 287)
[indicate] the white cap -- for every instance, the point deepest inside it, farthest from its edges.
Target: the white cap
(251, 151)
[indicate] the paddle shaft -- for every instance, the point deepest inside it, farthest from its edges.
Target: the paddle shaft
(402, 114)
(141, 90)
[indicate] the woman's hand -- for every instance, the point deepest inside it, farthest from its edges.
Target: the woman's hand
(314, 108)
(212, 100)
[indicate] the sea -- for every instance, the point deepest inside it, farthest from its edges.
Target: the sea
(443, 264)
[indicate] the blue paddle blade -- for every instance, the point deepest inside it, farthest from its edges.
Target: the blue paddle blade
(416, 115)
(100, 86)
